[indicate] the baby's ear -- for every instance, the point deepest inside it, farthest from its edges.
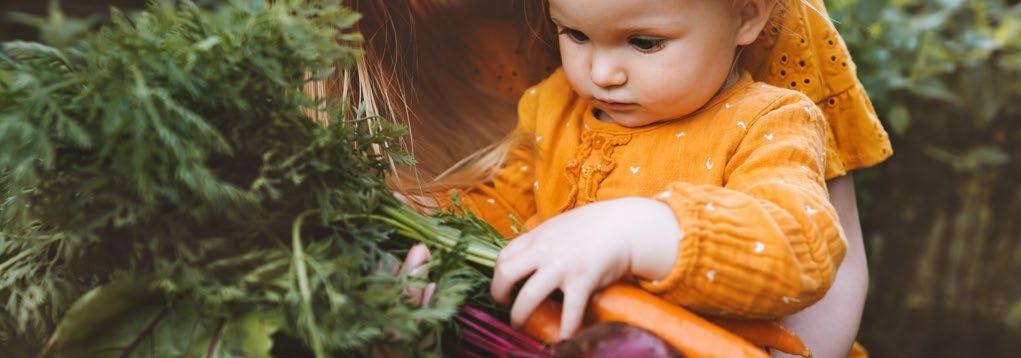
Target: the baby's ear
(753, 15)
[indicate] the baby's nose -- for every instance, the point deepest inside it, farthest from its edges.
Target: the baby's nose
(607, 73)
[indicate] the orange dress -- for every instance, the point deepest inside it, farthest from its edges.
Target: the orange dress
(744, 176)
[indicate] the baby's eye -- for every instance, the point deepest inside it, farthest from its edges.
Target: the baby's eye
(575, 35)
(646, 44)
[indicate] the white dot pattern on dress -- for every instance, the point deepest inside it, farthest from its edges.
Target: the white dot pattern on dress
(709, 163)
(759, 247)
(710, 275)
(681, 134)
(769, 136)
(634, 170)
(742, 125)
(810, 210)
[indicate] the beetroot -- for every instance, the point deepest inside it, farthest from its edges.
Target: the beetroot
(615, 339)
(486, 336)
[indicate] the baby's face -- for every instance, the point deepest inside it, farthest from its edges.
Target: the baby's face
(646, 61)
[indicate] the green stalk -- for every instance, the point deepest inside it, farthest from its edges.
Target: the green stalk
(418, 227)
(302, 277)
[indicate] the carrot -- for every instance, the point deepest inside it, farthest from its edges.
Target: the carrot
(690, 334)
(765, 333)
(544, 323)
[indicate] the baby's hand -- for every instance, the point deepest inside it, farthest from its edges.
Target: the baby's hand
(583, 250)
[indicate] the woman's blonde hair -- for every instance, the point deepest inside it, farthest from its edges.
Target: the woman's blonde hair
(406, 76)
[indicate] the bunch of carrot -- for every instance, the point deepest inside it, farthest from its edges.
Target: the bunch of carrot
(689, 333)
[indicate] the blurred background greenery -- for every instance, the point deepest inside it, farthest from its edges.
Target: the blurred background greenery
(942, 217)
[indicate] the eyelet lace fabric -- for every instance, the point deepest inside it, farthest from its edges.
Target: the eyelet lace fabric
(800, 49)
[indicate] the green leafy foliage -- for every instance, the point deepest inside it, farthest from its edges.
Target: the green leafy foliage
(161, 179)
(55, 29)
(941, 216)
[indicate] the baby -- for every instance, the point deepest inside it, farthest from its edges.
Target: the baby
(651, 154)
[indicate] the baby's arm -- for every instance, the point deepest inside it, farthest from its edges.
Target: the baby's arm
(768, 243)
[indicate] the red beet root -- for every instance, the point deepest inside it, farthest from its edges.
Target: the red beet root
(615, 339)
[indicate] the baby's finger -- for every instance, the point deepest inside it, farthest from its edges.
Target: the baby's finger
(507, 273)
(538, 287)
(515, 246)
(575, 299)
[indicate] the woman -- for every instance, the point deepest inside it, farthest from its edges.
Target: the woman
(465, 63)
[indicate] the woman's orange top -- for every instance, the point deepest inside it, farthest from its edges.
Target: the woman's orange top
(745, 177)
(801, 50)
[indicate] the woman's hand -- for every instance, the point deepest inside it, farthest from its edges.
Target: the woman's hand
(583, 250)
(414, 265)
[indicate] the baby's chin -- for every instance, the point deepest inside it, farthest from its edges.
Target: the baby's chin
(631, 119)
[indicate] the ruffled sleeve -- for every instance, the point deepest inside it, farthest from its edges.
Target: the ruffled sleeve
(800, 49)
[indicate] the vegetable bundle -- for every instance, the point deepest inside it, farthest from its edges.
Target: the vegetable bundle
(163, 192)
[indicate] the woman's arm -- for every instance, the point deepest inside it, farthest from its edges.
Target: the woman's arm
(829, 326)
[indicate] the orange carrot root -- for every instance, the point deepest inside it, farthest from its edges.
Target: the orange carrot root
(544, 323)
(765, 333)
(690, 334)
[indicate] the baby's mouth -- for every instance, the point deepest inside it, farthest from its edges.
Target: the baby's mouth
(613, 105)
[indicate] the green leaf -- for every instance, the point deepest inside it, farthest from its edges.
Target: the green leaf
(984, 156)
(899, 119)
(21, 50)
(106, 319)
(1013, 317)
(130, 316)
(248, 336)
